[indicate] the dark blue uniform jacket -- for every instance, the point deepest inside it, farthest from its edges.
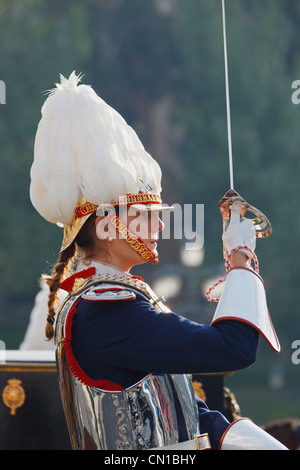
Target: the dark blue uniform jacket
(123, 341)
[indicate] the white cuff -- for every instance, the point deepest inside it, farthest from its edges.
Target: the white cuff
(243, 434)
(244, 299)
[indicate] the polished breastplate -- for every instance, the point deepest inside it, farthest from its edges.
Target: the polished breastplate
(159, 410)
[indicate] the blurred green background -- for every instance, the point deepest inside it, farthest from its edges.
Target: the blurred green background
(160, 64)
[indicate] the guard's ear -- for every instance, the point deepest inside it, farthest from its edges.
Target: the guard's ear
(101, 224)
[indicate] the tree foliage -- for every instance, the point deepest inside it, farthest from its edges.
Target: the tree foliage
(263, 62)
(134, 56)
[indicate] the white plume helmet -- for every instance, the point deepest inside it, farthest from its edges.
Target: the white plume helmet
(84, 149)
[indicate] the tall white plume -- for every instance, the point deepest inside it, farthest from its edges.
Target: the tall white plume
(84, 148)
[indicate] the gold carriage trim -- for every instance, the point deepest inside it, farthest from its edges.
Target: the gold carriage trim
(13, 395)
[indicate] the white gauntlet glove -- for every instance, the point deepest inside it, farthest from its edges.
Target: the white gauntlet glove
(239, 232)
(243, 297)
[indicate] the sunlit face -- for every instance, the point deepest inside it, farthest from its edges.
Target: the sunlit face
(146, 225)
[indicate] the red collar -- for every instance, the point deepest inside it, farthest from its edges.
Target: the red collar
(68, 283)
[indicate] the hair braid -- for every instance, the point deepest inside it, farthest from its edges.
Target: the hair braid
(59, 271)
(86, 242)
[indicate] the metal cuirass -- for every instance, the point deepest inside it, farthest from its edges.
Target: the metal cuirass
(144, 416)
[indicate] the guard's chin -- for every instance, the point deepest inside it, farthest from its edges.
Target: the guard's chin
(154, 260)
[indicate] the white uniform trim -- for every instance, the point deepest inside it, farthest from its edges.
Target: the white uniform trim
(244, 299)
(243, 434)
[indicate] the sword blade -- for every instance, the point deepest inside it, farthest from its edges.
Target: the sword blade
(227, 97)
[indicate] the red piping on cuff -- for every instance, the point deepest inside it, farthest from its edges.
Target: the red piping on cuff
(242, 320)
(246, 269)
(227, 429)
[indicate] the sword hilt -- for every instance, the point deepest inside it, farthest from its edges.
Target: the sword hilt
(261, 223)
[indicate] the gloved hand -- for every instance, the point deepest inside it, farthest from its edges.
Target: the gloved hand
(239, 232)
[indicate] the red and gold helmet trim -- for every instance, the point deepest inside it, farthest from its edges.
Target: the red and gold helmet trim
(84, 209)
(140, 198)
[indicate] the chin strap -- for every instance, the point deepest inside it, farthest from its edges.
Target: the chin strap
(134, 241)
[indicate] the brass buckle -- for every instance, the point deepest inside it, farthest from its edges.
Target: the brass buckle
(202, 441)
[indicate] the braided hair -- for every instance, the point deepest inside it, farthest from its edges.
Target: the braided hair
(86, 241)
(60, 270)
